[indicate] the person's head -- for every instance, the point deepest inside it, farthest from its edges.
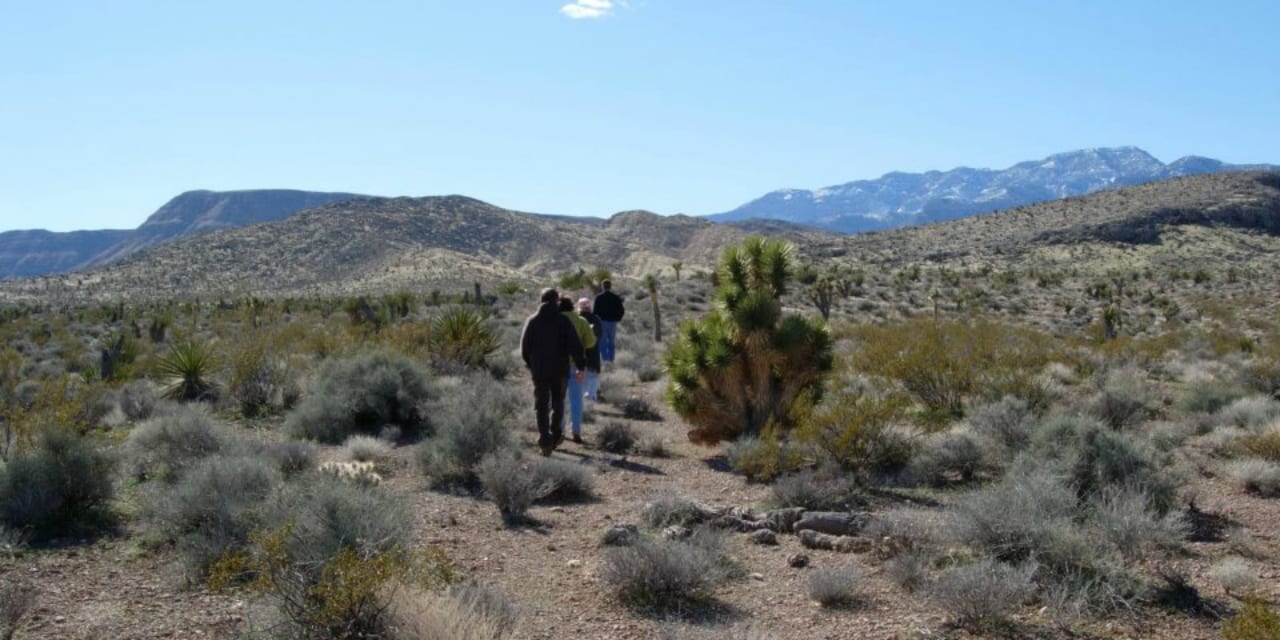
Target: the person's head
(584, 305)
(550, 295)
(607, 284)
(566, 303)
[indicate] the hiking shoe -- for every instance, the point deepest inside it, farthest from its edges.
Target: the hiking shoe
(557, 439)
(577, 437)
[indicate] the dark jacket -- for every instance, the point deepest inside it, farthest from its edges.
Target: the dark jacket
(593, 354)
(549, 341)
(608, 306)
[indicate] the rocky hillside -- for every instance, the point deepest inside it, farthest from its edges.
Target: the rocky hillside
(904, 199)
(37, 252)
(385, 244)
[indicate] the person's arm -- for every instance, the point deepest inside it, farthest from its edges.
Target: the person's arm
(574, 344)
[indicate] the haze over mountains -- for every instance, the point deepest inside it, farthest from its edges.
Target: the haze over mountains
(904, 199)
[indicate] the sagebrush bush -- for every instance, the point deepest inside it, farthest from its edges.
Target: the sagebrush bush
(1235, 575)
(1017, 518)
(362, 448)
(473, 420)
(908, 528)
(910, 571)
(637, 408)
(568, 480)
(63, 486)
(835, 586)
(1208, 397)
(1126, 518)
(16, 600)
(1264, 443)
(260, 381)
(167, 444)
(985, 591)
(765, 457)
(666, 574)
(1095, 457)
(616, 437)
(1256, 475)
(292, 457)
(325, 514)
(672, 509)
(827, 489)
(512, 485)
(419, 615)
(855, 430)
(953, 456)
(1250, 413)
(1008, 421)
(360, 395)
(1123, 401)
(212, 509)
(138, 400)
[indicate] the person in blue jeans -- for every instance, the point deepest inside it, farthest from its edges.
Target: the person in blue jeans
(609, 308)
(576, 386)
(593, 354)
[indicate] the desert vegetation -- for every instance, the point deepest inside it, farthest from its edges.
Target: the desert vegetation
(1030, 450)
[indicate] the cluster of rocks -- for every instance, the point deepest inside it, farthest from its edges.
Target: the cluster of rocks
(826, 530)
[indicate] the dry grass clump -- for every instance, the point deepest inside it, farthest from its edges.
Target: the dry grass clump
(835, 586)
(1256, 476)
(362, 448)
(1235, 575)
(665, 573)
(511, 483)
(16, 600)
(616, 437)
(418, 615)
(827, 489)
(983, 592)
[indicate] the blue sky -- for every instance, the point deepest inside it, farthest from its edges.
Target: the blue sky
(107, 110)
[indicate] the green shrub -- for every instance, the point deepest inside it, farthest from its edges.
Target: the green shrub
(472, 420)
(765, 457)
(855, 431)
(363, 394)
(462, 336)
(167, 444)
(666, 574)
(63, 486)
(1256, 621)
(187, 372)
(259, 380)
(213, 508)
(743, 365)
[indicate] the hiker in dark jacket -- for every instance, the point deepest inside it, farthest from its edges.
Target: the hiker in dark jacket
(593, 354)
(609, 308)
(548, 343)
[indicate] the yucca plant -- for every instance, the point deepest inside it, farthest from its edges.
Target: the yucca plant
(651, 284)
(462, 335)
(187, 372)
(743, 365)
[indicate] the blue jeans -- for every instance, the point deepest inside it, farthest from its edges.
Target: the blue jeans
(608, 337)
(573, 394)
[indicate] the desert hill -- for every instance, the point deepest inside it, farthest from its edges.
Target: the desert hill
(383, 244)
(29, 253)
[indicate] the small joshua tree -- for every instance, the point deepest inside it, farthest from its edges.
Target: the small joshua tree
(651, 283)
(741, 366)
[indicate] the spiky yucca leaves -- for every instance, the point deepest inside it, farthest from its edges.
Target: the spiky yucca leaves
(462, 335)
(186, 371)
(742, 366)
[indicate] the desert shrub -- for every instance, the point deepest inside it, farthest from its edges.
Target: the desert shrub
(1250, 413)
(1256, 475)
(472, 421)
(362, 394)
(259, 381)
(945, 363)
(568, 480)
(835, 586)
(1256, 621)
(1235, 575)
(910, 571)
(1095, 457)
(1008, 421)
(1126, 518)
(325, 514)
(1122, 401)
(169, 443)
(291, 457)
(16, 600)
(764, 457)
(418, 615)
(652, 446)
(186, 372)
(616, 437)
(953, 456)
(511, 484)
(666, 574)
(740, 367)
(213, 508)
(1016, 518)
(637, 408)
(855, 430)
(828, 489)
(1265, 444)
(983, 592)
(908, 528)
(362, 448)
(138, 400)
(1208, 397)
(62, 486)
(491, 603)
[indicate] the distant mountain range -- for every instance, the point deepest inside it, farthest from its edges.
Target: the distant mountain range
(38, 252)
(904, 199)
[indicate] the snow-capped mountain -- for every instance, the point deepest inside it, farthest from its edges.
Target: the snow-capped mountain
(902, 199)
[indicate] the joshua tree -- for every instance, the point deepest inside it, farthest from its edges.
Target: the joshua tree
(651, 283)
(742, 366)
(676, 267)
